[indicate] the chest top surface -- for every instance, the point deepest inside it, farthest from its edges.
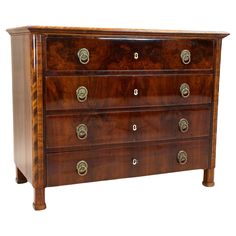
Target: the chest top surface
(118, 31)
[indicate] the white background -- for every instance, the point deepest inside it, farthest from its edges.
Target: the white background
(168, 204)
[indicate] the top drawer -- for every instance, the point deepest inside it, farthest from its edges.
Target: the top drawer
(101, 53)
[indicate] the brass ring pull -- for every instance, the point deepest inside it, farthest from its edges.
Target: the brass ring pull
(184, 90)
(182, 157)
(183, 125)
(82, 131)
(83, 55)
(82, 93)
(185, 56)
(82, 168)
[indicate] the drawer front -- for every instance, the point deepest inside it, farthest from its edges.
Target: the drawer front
(101, 53)
(103, 92)
(124, 127)
(103, 164)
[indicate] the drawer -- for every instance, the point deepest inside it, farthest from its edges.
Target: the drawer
(125, 127)
(101, 92)
(102, 53)
(103, 164)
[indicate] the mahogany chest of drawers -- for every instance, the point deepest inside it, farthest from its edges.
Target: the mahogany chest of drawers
(99, 104)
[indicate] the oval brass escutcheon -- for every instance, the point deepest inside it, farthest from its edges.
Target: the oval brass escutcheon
(82, 168)
(134, 161)
(182, 157)
(136, 55)
(135, 92)
(135, 127)
(185, 56)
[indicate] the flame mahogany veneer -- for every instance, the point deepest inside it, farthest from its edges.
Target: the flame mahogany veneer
(97, 104)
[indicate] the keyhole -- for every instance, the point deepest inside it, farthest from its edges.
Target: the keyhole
(134, 127)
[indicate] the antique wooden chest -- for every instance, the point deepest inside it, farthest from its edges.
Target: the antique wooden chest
(98, 104)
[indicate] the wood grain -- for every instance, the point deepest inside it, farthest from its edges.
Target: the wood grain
(38, 167)
(151, 125)
(113, 163)
(107, 92)
(118, 53)
(208, 179)
(62, 30)
(47, 72)
(22, 115)
(28, 110)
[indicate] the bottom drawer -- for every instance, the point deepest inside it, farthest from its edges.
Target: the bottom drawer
(112, 163)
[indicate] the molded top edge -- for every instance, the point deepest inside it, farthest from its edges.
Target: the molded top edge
(112, 31)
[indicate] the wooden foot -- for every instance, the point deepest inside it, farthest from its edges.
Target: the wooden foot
(39, 199)
(20, 178)
(208, 179)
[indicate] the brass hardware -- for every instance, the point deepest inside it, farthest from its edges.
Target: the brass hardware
(82, 93)
(135, 55)
(184, 90)
(83, 55)
(134, 162)
(182, 157)
(135, 92)
(185, 56)
(82, 168)
(82, 131)
(183, 125)
(135, 127)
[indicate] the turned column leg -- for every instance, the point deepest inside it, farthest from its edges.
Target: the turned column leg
(208, 179)
(39, 199)
(20, 178)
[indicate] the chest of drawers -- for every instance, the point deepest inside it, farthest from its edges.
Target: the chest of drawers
(99, 104)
